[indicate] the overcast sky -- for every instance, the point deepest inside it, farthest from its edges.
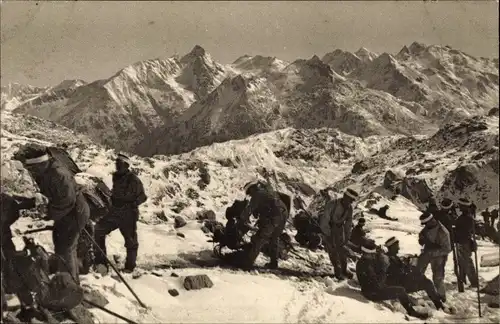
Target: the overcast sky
(46, 43)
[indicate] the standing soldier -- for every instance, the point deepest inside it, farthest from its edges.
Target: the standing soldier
(127, 194)
(486, 217)
(67, 206)
(465, 242)
(494, 216)
(272, 212)
(436, 245)
(336, 225)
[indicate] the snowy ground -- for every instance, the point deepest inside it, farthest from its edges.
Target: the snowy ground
(242, 298)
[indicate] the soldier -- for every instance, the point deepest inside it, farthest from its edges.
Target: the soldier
(447, 216)
(358, 233)
(67, 206)
(127, 195)
(272, 213)
(336, 225)
(436, 243)
(402, 273)
(486, 217)
(494, 216)
(371, 271)
(465, 242)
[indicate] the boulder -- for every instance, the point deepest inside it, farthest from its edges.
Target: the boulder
(80, 315)
(491, 287)
(173, 292)
(490, 260)
(206, 215)
(359, 167)
(391, 180)
(197, 282)
(493, 111)
(95, 297)
(416, 190)
(179, 221)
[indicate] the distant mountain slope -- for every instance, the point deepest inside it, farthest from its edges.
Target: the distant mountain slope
(174, 105)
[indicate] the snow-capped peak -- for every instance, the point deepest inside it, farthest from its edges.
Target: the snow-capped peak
(196, 52)
(365, 55)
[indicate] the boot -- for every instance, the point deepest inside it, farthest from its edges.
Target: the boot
(272, 265)
(130, 262)
(420, 315)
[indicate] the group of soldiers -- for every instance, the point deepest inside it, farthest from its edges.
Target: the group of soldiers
(69, 209)
(382, 274)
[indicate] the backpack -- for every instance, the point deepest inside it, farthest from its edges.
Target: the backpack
(98, 198)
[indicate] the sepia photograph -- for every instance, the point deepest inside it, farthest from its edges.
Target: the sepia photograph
(249, 161)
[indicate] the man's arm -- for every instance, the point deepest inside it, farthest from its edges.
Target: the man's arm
(348, 224)
(325, 217)
(247, 211)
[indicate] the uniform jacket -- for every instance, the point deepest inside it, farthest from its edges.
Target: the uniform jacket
(371, 271)
(128, 191)
(447, 218)
(463, 229)
(58, 184)
(357, 235)
(436, 240)
(337, 220)
(266, 205)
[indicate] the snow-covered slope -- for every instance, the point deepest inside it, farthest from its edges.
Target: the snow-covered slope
(298, 162)
(15, 94)
(151, 105)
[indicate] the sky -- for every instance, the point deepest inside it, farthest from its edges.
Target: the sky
(44, 43)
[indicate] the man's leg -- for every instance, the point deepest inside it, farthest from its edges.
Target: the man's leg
(416, 282)
(422, 263)
(464, 252)
(275, 238)
(396, 292)
(104, 226)
(65, 238)
(260, 238)
(437, 266)
(333, 255)
(128, 229)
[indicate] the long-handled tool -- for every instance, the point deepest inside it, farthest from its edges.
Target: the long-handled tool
(456, 266)
(477, 266)
(108, 311)
(114, 268)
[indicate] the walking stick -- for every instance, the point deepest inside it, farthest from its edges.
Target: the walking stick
(114, 268)
(456, 266)
(108, 311)
(477, 266)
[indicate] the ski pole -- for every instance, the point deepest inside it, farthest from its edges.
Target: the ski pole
(477, 266)
(109, 312)
(114, 268)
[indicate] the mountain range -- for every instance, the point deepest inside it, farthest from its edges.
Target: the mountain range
(174, 105)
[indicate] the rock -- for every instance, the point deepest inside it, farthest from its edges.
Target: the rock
(192, 193)
(95, 297)
(157, 273)
(197, 282)
(206, 215)
(205, 230)
(391, 179)
(181, 235)
(492, 287)
(490, 260)
(161, 216)
(173, 274)
(359, 167)
(116, 258)
(179, 222)
(81, 315)
(211, 225)
(493, 111)
(136, 275)
(416, 190)
(173, 292)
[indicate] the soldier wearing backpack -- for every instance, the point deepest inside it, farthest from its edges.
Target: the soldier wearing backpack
(67, 206)
(127, 194)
